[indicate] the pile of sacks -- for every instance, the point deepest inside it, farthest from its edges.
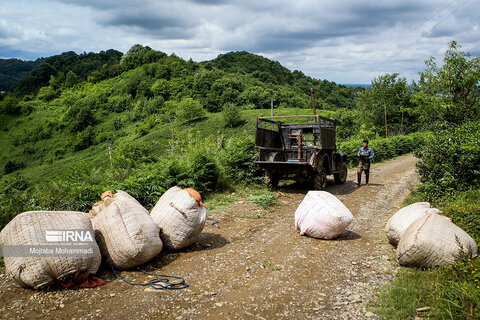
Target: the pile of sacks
(126, 235)
(427, 239)
(322, 215)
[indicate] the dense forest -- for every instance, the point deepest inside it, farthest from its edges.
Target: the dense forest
(13, 70)
(76, 125)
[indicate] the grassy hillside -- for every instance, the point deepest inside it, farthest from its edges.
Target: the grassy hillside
(139, 101)
(48, 158)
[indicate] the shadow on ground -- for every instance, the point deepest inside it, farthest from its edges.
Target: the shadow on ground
(332, 187)
(348, 235)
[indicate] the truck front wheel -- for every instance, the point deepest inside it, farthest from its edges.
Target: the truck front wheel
(341, 176)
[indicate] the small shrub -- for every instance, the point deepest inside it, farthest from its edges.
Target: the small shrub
(117, 124)
(232, 116)
(203, 172)
(145, 107)
(237, 160)
(47, 93)
(140, 152)
(10, 105)
(189, 110)
(84, 139)
(264, 200)
(79, 116)
(119, 103)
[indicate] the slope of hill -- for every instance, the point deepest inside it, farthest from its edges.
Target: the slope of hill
(67, 67)
(86, 101)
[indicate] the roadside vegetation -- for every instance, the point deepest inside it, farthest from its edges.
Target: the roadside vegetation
(450, 179)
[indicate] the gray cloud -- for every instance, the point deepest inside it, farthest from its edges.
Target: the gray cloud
(344, 41)
(161, 27)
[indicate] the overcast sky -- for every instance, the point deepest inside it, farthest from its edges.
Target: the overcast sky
(343, 41)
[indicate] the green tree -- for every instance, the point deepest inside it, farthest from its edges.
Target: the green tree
(160, 88)
(231, 115)
(190, 110)
(10, 105)
(450, 92)
(47, 93)
(203, 81)
(70, 79)
(138, 55)
(223, 90)
(391, 92)
(256, 95)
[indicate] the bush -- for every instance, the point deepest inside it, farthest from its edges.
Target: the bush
(140, 152)
(464, 209)
(232, 116)
(450, 161)
(47, 93)
(189, 110)
(80, 115)
(12, 166)
(160, 88)
(384, 148)
(264, 200)
(84, 139)
(198, 171)
(203, 172)
(145, 107)
(119, 103)
(10, 105)
(12, 200)
(237, 160)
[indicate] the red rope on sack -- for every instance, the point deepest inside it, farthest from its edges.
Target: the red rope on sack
(196, 195)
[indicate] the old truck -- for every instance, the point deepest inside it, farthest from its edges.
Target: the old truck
(303, 150)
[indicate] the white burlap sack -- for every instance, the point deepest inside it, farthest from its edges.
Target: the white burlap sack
(434, 241)
(125, 232)
(404, 217)
(321, 215)
(181, 216)
(29, 229)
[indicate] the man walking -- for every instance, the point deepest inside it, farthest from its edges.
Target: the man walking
(366, 155)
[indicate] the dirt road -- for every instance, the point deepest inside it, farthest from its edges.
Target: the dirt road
(252, 268)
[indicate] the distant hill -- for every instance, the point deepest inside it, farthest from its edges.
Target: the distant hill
(357, 85)
(260, 67)
(80, 67)
(13, 70)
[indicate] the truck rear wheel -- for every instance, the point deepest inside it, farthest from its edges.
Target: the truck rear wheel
(271, 180)
(341, 176)
(320, 179)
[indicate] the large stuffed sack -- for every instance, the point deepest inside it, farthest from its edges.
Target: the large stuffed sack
(181, 215)
(434, 241)
(30, 229)
(322, 215)
(404, 217)
(125, 232)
